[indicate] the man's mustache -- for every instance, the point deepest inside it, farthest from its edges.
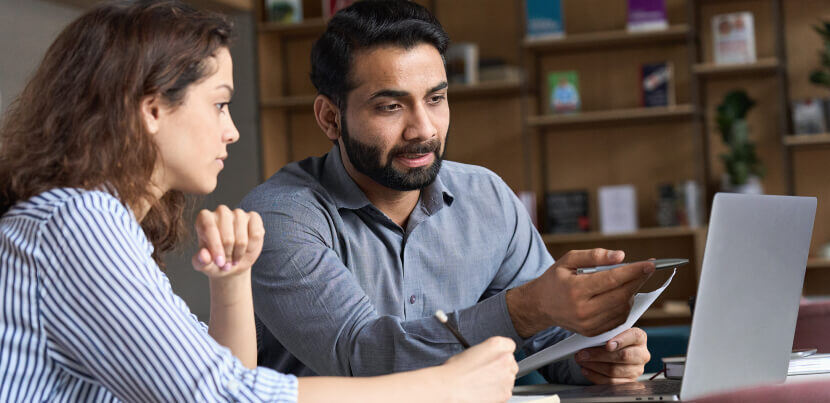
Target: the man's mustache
(430, 146)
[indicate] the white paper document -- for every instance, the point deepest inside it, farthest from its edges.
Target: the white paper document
(576, 342)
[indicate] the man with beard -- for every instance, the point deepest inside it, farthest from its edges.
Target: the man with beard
(365, 243)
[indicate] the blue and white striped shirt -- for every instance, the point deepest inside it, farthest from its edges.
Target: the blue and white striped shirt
(88, 316)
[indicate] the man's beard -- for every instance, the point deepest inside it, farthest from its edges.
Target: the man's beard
(366, 159)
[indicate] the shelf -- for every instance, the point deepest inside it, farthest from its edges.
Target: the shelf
(311, 26)
(645, 115)
(456, 92)
(818, 263)
(290, 102)
(646, 233)
(594, 40)
(661, 313)
(763, 66)
(797, 140)
(484, 89)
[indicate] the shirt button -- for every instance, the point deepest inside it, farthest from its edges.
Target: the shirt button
(412, 299)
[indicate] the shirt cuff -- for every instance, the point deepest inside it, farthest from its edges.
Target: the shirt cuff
(486, 319)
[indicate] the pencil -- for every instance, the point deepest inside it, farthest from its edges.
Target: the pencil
(442, 317)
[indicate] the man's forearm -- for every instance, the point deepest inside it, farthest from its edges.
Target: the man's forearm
(527, 318)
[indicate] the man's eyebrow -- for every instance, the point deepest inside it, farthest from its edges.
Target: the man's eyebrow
(387, 93)
(227, 87)
(439, 87)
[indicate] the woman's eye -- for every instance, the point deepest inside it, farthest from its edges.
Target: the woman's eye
(222, 106)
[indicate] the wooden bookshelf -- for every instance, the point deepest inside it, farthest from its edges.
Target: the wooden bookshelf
(635, 115)
(763, 66)
(311, 26)
(604, 39)
(797, 140)
(645, 233)
(298, 101)
(485, 89)
(818, 263)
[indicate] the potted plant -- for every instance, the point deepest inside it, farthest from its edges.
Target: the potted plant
(821, 76)
(743, 168)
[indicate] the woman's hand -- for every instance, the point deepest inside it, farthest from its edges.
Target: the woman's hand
(484, 373)
(229, 241)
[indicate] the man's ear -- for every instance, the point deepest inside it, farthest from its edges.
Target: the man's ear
(150, 110)
(328, 116)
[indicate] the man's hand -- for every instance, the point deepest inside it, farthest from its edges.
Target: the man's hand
(621, 360)
(589, 304)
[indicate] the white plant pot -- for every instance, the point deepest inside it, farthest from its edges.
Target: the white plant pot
(752, 186)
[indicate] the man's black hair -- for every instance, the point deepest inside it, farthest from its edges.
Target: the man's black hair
(363, 25)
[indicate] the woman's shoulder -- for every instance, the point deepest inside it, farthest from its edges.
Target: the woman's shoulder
(63, 202)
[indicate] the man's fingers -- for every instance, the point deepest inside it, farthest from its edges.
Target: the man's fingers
(614, 371)
(638, 355)
(209, 237)
(240, 226)
(604, 281)
(590, 258)
(631, 337)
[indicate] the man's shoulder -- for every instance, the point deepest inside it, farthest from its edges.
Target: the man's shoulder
(296, 182)
(464, 178)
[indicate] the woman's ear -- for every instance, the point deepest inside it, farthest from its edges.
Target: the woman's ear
(151, 113)
(328, 116)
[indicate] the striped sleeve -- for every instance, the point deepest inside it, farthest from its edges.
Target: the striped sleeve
(109, 316)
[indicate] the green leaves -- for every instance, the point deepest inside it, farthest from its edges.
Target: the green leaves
(821, 76)
(741, 161)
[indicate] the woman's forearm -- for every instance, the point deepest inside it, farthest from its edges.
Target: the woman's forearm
(232, 316)
(415, 386)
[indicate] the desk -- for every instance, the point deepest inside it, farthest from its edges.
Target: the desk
(548, 389)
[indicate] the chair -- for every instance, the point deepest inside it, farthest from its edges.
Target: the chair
(812, 328)
(801, 392)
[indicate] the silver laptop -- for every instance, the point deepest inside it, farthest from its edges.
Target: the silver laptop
(746, 306)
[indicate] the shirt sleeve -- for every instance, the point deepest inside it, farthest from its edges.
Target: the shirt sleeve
(311, 302)
(110, 318)
(527, 258)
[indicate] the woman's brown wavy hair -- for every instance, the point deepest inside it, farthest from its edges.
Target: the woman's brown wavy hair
(77, 122)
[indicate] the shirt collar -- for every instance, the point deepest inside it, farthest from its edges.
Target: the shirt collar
(346, 194)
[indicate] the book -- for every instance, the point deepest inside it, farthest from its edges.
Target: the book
(331, 7)
(811, 364)
(617, 209)
(284, 11)
(809, 116)
(462, 63)
(567, 211)
(496, 69)
(679, 204)
(657, 84)
(564, 91)
(647, 15)
(544, 19)
(734, 38)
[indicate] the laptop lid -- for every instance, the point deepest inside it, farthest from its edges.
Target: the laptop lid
(749, 290)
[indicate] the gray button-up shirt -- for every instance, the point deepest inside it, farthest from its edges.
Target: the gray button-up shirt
(340, 289)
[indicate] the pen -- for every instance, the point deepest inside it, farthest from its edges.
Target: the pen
(442, 317)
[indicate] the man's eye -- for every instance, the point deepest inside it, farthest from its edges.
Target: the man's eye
(390, 107)
(436, 99)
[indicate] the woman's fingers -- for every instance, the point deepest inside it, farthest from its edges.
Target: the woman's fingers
(228, 239)
(209, 237)
(240, 230)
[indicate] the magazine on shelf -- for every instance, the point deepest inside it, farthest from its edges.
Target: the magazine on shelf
(567, 211)
(617, 209)
(809, 116)
(284, 11)
(544, 19)
(462, 63)
(647, 15)
(563, 88)
(657, 84)
(734, 38)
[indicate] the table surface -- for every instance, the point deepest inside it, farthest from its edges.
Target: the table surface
(553, 388)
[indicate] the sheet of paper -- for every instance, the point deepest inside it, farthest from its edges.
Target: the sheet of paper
(535, 399)
(576, 342)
